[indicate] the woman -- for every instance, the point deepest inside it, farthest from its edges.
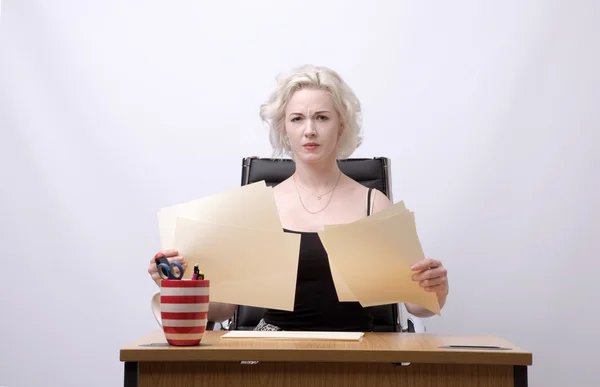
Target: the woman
(315, 117)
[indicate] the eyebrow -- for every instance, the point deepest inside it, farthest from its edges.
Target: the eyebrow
(319, 112)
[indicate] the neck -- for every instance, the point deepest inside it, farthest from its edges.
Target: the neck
(318, 176)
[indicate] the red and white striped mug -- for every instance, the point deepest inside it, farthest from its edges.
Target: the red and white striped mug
(183, 308)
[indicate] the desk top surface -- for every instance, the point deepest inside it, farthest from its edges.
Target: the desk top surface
(379, 347)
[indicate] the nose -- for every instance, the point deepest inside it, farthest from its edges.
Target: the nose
(309, 130)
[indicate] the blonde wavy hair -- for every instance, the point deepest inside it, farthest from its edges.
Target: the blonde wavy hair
(345, 101)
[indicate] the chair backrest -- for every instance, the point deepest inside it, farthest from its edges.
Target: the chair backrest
(371, 172)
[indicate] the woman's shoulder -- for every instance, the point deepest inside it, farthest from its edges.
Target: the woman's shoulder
(284, 187)
(283, 192)
(364, 190)
(377, 199)
(356, 191)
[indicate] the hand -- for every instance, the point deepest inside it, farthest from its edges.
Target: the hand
(432, 276)
(171, 255)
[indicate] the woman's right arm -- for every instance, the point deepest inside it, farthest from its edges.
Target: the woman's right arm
(217, 311)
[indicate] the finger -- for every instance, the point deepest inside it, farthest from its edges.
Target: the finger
(436, 288)
(420, 265)
(427, 274)
(423, 275)
(433, 263)
(432, 282)
(166, 253)
(425, 264)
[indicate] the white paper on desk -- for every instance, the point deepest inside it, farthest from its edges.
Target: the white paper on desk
(246, 266)
(251, 206)
(373, 258)
(294, 335)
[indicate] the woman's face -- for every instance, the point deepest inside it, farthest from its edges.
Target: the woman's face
(312, 125)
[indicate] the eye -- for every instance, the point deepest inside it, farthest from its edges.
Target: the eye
(322, 118)
(296, 119)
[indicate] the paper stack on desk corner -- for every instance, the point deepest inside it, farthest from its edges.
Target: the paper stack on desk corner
(370, 259)
(237, 240)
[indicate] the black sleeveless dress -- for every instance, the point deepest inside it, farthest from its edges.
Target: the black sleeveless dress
(316, 306)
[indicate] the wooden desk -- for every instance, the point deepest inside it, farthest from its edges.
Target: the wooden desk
(379, 359)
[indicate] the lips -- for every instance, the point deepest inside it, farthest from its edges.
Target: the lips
(311, 145)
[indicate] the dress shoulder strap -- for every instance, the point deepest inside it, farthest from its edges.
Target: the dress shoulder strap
(369, 206)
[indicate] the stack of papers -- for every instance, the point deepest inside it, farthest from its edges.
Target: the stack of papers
(370, 259)
(237, 240)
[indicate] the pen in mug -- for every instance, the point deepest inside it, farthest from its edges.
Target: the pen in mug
(198, 275)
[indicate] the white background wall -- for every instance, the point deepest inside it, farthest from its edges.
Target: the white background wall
(110, 110)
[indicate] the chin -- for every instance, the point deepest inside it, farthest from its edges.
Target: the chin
(313, 157)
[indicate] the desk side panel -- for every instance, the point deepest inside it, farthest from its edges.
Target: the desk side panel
(299, 374)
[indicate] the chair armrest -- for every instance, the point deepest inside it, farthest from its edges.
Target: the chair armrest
(409, 322)
(418, 325)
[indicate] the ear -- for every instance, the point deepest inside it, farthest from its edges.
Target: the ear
(284, 140)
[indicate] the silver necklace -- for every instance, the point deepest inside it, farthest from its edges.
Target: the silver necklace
(317, 196)
(328, 201)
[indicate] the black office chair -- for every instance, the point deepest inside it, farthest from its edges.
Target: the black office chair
(371, 172)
